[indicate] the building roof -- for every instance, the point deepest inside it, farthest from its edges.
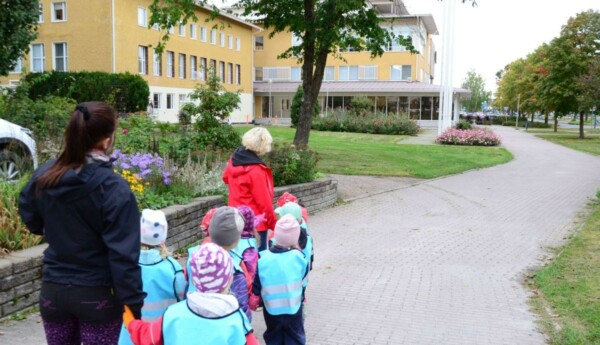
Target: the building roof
(225, 13)
(362, 87)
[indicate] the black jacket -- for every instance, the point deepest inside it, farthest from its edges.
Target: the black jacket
(91, 222)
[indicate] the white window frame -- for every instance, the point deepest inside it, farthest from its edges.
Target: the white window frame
(399, 72)
(203, 69)
(157, 100)
(157, 64)
(156, 27)
(222, 39)
(142, 60)
(344, 73)
(238, 74)
(142, 17)
(65, 57)
(193, 31)
(328, 73)
(368, 72)
(170, 64)
(42, 58)
(40, 12)
(193, 64)
(182, 66)
(18, 69)
(181, 30)
(172, 97)
(230, 73)
(171, 30)
(238, 44)
(213, 36)
(203, 33)
(182, 100)
(262, 43)
(230, 42)
(222, 71)
(64, 5)
(296, 73)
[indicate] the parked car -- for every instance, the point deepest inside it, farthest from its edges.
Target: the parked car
(17, 151)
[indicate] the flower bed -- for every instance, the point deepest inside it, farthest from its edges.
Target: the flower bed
(470, 137)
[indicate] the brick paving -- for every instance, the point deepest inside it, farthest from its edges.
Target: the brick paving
(438, 261)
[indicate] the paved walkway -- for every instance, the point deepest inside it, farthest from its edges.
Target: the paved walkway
(438, 261)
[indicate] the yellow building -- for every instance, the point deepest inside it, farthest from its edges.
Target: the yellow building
(398, 81)
(113, 36)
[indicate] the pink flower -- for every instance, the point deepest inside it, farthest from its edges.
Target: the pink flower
(124, 131)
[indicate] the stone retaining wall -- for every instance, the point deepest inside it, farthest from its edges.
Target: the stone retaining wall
(21, 271)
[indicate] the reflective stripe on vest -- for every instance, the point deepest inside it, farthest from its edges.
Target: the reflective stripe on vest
(158, 282)
(182, 326)
(281, 276)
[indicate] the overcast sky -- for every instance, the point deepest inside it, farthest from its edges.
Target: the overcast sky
(496, 32)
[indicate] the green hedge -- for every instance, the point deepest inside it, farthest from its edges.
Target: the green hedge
(372, 124)
(124, 91)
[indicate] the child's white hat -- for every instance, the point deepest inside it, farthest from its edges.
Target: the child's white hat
(153, 227)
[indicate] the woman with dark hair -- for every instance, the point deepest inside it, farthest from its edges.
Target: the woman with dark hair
(90, 220)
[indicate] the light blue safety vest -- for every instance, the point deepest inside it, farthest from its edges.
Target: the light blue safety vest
(308, 252)
(181, 326)
(159, 283)
(281, 276)
(244, 244)
(236, 259)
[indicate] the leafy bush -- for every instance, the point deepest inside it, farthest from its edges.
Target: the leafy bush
(47, 117)
(292, 166)
(462, 124)
(13, 233)
(124, 91)
(524, 122)
(374, 124)
(472, 137)
(360, 106)
(297, 105)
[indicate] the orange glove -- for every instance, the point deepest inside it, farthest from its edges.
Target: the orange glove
(127, 316)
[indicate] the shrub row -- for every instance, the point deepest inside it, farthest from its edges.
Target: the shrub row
(471, 137)
(372, 124)
(124, 91)
(292, 166)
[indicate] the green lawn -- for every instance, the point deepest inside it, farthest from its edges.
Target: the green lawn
(570, 138)
(370, 154)
(570, 285)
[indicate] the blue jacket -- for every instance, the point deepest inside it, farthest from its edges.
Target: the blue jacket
(91, 223)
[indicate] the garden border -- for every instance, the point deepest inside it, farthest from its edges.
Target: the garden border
(21, 271)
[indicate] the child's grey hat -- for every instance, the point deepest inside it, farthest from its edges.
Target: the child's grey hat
(225, 227)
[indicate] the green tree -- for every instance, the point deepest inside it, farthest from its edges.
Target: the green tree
(475, 82)
(297, 105)
(18, 27)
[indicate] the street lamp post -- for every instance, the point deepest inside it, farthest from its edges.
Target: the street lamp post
(518, 106)
(270, 100)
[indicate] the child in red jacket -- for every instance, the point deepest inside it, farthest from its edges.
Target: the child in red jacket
(209, 316)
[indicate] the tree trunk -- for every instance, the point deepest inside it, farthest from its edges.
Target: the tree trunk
(555, 123)
(581, 122)
(546, 118)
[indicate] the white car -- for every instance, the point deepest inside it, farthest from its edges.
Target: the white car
(17, 151)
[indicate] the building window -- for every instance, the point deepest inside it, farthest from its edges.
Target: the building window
(181, 30)
(258, 74)
(401, 72)
(213, 67)
(40, 13)
(37, 57)
(182, 98)
(170, 64)
(157, 64)
(221, 39)
(156, 27)
(296, 40)
(170, 97)
(193, 64)
(142, 60)
(329, 73)
(222, 71)
(203, 33)
(367, 72)
(230, 73)
(230, 42)
(203, 69)
(193, 32)
(297, 74)
(171, 30)
(18, 67)
(213, 36)
(156, 100)
(60, 57)
(238, 44)
(348, 73)
(59, 11)
(259, 43)
(142, 17)
(238, 74)
(182, 66)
